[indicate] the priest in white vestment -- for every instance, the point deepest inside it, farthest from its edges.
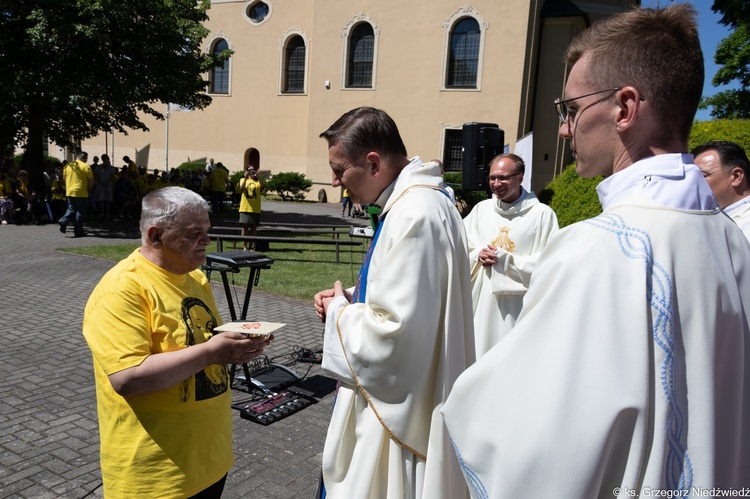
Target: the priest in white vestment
(727, 170)
(401, 338)
(506, 235)
(627, 372)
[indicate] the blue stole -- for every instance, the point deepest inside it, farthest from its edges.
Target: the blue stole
(360, 289)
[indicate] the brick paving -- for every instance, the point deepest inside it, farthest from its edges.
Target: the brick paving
(49, 441)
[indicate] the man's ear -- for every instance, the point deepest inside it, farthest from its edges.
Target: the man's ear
(629, 101)
(153, 235)
(373, 162)
(738, 176)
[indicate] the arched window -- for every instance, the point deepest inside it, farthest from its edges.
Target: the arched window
(361, 51)
(220, 74)
(294, 65)
(463, 54)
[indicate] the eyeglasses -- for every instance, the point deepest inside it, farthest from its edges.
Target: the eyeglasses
(563, 111)
(502, 178)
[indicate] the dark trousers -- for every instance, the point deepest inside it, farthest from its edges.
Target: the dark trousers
(212, 492)
(217, 198)
(77, 209)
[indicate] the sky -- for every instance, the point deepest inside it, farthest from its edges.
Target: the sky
(711, 32)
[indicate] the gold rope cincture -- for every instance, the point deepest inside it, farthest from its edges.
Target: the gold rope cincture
(346, 357)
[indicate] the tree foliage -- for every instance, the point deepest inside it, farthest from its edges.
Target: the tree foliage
(289, 185)
(733, 55)
(72, 69)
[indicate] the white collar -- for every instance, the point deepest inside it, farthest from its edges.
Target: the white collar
(671, 180)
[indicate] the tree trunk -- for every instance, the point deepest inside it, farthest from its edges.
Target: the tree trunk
(33, 156)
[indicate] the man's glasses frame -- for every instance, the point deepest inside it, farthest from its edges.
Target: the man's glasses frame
(502, 178)
(561, 106)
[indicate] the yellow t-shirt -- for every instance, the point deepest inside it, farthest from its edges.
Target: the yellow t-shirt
(4, 189)
(139, 183)
(250, 196)
(77, 175)
(219, 179)
(58, 190)
(175, 442)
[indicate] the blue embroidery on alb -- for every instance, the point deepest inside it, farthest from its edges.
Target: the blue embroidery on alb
(636, 244)
(477, 487)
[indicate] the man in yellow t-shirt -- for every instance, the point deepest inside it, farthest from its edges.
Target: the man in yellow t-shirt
(130, 164)
(219, 177)
(162, 384)
(7, 208)
(249, 188)
(346, 201)
(79, 180)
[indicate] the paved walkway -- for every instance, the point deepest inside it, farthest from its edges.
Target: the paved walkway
(49, 441)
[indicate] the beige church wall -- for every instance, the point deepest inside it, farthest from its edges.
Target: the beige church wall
(409, 74)
(410, 65)
(410, 58)
(550, 151)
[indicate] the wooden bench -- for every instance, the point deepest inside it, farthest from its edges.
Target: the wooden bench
(220, 238)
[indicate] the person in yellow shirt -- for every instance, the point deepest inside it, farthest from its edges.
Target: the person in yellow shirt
(26, 197)
(219, 177)
(7, 207)
(79, 181)
(346, 201)
(130, 164)
(249, 188)
(162, 384)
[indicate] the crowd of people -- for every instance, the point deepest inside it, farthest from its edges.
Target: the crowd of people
(114, 193)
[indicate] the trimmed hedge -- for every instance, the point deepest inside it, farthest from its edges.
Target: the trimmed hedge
(574, 198)
(571, 197)
(735, 130)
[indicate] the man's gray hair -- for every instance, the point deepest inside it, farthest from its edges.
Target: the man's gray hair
(163, 206)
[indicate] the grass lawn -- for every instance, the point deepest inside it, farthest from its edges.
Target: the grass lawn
(299, 271)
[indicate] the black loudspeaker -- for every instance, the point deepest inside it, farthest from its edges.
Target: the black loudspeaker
(481, 142)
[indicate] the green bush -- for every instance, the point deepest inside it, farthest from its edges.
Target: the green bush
(235, 178)
(735, 130)
(47, 161)
(571, 197)
(289, 185)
